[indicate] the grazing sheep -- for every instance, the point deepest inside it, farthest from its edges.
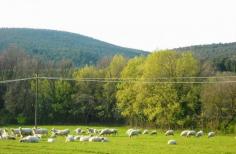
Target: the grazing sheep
(95, 139)
(30, 139)
(114, 131)
(199, 133)
(78, 131)
(169, 132)
(91, 131)
(191, 133)
(60, 132)
(77, 138)
(134, 133)
(171, 142)
(42, 131)
(145, 131)
(98, 139)
(70, 138)
(154, 132)
(184, 133)
(211, 134)
(128, 131)
(84, 138)
(105, 131)
(6, 136)
(16, 131)
(51, 140)
(25, 131)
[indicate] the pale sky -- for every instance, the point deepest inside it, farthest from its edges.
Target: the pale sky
(140, 24)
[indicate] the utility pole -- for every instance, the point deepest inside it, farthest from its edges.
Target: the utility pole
(36, 100)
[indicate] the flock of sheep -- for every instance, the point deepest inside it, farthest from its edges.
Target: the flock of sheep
(187, 133)
(33, 135)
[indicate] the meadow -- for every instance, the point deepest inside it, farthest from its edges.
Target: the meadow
(123, 144)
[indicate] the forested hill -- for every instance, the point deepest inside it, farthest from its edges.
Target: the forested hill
(57, 45)
(222, 56)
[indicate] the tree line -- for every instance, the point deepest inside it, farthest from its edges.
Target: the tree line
(150, 91)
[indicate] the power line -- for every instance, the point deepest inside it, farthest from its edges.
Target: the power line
(16, 80)
(120, 80)
(104, 80)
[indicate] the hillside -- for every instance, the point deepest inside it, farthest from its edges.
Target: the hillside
(222, 56)
(57, 45)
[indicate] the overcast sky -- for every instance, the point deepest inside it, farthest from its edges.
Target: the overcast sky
(141, 24)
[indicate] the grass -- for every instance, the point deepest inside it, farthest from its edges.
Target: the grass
(124, 145)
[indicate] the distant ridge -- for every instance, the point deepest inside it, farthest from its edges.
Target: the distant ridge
(57, 45)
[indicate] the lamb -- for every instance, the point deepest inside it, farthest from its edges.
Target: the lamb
(184, 133)
(171, 142)
(70, 138)
(191, 133)
(211, 134)
(169, 132)
(84, 138)
(145, 131)
(199, 133)
(51, 140)
(60, 132)
(42, 131)
(30, 139)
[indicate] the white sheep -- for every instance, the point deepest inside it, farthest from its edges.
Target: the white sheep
(77, 138)
(91, 130)
(78, 130)
(169, 132)
(15, 131)
(114, 131)
(84, 138)
(211, 134)
(6, 136)
(145, 131)
(51, 140)
(184, 133)
(30, 139)
(129, 130)
(60, 132)
(70, 138)
(134, 133)
(106, 131)
(171, 142)
(95, 139)
(25, 131)
(199, 133)
(191, 133)
(42, 131)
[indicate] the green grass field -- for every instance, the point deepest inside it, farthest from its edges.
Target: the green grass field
(122, 144)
